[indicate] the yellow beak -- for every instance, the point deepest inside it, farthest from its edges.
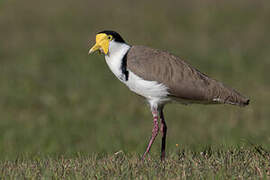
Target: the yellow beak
(102, 44)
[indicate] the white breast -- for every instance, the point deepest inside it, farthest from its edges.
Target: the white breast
(156, 93)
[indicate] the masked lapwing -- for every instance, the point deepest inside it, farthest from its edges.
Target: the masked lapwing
(161, 78)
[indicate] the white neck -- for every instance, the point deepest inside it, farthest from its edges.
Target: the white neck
(114, 58)
(116, 48)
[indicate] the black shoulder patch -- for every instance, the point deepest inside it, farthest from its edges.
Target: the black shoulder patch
(124, 66)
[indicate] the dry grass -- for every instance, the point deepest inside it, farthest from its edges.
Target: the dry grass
(233, 163)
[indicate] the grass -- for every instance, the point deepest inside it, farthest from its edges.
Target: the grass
(56, 101)
(217, 163)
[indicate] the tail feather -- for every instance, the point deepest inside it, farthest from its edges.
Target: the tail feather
(222, 94)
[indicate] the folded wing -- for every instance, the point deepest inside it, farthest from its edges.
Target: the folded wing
(184, 82)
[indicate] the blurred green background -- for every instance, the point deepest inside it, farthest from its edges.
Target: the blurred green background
(55, 99)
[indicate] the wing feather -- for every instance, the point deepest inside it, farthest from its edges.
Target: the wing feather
(183, 81)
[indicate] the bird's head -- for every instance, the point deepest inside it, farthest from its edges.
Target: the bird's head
(104, 40)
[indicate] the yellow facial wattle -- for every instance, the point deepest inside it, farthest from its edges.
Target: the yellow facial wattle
(102, 42)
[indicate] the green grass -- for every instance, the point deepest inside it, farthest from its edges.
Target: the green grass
(56, 101)
(218, 163)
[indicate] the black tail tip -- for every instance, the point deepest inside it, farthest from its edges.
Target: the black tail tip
(246, 103)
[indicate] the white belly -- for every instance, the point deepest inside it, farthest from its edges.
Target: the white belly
(151, 90)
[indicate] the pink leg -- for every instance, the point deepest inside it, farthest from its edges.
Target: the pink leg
(163, 129)
(154, 133)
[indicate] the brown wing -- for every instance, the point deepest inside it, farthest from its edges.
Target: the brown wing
(182, 80)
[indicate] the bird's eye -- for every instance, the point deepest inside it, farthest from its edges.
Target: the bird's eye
(110, 37)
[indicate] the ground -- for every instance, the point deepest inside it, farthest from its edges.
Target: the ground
(232, 163)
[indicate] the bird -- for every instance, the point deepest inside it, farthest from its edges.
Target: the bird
(161, 78)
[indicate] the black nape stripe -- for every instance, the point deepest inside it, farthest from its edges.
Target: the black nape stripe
(124, 66)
